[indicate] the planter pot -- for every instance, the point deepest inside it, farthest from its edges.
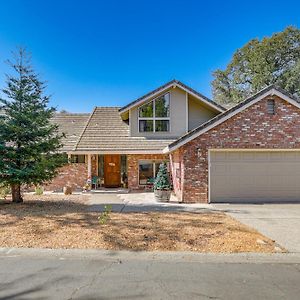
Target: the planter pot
(162, 196)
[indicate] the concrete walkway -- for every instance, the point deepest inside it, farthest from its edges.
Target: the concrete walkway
(141, 202)
(280, 222)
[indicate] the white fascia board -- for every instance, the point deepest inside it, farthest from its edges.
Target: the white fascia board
(167, 88)
(115, 152)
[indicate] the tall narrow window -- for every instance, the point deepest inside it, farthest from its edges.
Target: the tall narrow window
(154, 116)
(271, 106)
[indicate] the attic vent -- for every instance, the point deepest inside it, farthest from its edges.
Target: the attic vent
(271, 106)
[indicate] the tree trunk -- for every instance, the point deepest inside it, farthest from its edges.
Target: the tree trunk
(16, 193)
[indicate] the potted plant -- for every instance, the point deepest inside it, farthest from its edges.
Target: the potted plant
(162, 184)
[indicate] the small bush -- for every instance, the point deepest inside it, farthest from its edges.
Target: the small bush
(162, 181)
(39, 190)
(104, 217)
(4, 190)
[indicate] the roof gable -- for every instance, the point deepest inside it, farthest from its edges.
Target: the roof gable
(166, 87)
(270, 90)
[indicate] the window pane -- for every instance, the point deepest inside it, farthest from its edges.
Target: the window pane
(162, 106)
(161, 125)
(145, 173)
(146, 110)
(146, 126)
(124, 169)
(80, 159)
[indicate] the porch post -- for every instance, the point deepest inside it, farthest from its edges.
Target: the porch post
(89, 166)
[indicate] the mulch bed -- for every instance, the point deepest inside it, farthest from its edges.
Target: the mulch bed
(58, 221)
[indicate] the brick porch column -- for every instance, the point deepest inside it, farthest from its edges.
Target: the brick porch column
(89, 166)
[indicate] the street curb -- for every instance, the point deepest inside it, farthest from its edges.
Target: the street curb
(119, 256)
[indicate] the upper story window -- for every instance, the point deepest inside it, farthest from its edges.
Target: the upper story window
(154, 116)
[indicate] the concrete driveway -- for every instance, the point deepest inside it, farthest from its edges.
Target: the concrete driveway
(280, 222)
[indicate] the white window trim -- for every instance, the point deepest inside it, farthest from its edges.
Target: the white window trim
(154, 118)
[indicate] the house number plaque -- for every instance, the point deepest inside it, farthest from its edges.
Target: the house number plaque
(111, 164)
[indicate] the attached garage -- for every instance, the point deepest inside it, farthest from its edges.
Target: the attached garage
(254, 176)
(249, 153)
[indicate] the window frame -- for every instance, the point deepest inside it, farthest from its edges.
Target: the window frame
(153, 162)
(154, 118)
(74, 159)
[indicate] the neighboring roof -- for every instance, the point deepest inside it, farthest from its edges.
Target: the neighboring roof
(168, 85)
(72, 125)
(270, 90)
(106, 131)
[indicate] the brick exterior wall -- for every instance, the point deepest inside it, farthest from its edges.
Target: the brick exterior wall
(253, 128)
(133, 167)
(177, 171)
(74, 175)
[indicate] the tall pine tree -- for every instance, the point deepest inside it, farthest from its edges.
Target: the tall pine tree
(29, 142)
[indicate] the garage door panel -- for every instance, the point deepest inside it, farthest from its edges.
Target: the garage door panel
(254, 176)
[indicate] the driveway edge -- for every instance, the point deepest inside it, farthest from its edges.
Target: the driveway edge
(120, 256)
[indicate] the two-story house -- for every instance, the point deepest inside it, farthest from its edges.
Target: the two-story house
(250, 152)
(116, 146)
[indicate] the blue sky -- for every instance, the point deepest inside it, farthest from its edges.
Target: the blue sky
(108, 53)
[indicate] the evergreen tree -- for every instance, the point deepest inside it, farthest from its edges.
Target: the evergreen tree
(272, 60)
(162, 181)
(29, 142)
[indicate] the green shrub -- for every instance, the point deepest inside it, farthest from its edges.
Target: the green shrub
(39, 190)
(104, 217)
(162, 181)
(4, 191)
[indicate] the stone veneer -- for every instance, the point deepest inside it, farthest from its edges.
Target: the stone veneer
(74, 175)
(133, 167)
(253, 128)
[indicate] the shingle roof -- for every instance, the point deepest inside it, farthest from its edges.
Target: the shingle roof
(72, 125)
(186, 137)
(170, 83)
(106, 131)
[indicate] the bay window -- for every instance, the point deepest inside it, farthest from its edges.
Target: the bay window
(154, 116)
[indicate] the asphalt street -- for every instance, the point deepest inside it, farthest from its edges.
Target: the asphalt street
(128, 275)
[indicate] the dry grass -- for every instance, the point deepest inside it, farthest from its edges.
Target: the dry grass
(63, 222)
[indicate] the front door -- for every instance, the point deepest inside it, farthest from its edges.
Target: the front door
(112, 170)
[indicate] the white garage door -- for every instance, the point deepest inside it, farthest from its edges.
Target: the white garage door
(267, 176)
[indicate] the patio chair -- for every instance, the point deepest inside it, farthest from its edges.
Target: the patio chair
(95, 181)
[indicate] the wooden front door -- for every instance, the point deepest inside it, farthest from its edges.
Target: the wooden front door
(112, 170)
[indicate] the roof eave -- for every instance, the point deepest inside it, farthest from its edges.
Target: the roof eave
(270, 90)
(173, 83)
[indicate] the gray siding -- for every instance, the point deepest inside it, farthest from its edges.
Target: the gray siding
(178, 113)
(198, 113)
